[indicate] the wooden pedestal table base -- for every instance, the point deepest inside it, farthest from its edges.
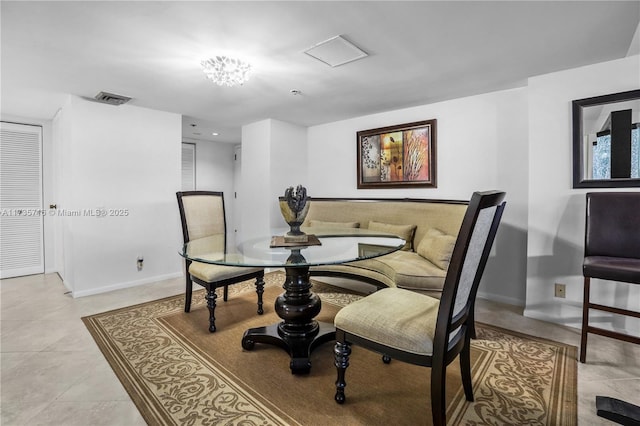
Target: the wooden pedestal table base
(298, 334)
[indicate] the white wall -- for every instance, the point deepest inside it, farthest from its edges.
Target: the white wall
(215, 172)
(214, 167)
(556, 211)
(61, 134)
(254, 187)
(481, 145)
(288, 163)
(121, 158)
(274, 157)
(63, 166)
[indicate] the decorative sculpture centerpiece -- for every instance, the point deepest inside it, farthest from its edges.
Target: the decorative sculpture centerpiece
(294, 208)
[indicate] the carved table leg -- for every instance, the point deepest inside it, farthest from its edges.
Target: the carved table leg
(298, 333)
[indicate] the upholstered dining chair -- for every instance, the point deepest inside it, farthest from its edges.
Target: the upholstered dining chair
(419, 329)
(202, 214)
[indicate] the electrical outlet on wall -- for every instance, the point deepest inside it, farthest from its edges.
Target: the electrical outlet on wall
(560, 290)
(140, 263)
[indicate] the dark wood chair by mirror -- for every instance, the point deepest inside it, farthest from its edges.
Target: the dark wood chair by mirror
(202, 214)
(612, 253)
(421, 330)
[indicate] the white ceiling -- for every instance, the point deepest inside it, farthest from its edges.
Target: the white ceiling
(420, 52)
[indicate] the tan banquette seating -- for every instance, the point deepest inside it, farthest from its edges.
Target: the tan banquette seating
(429, 226)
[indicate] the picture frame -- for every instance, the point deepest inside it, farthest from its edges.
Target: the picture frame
(399, 156)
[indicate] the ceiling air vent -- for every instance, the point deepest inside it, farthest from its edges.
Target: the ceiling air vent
(111, 98)
(336, 51)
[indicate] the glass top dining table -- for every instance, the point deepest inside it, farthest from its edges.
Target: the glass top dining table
(298, 333)
(336, 246)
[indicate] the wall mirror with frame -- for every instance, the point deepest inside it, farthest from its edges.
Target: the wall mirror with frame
(606, 141)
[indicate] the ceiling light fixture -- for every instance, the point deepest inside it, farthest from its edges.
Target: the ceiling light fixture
(225, 71)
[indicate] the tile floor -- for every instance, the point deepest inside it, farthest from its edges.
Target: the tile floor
(52, 373)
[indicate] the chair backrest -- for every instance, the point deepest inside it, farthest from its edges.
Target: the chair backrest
(202, 214)
(468, 260)
(612, 225)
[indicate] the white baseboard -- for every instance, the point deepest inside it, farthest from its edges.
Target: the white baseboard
(501, 299)
(128, 284)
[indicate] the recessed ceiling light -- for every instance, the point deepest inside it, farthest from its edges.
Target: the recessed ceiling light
(215, 133)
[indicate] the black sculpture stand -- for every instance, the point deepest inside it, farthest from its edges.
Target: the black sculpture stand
(298, 333)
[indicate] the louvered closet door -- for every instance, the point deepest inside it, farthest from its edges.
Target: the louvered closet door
(188, 166)
(21, 210)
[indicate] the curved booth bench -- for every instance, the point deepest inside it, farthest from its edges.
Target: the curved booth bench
(430, 228)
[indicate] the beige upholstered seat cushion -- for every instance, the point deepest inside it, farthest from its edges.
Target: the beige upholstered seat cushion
(405, 269)
(393, 317)
(403, 231)
(437, 247)
(331, 225)
(411, 271)
(210, 273)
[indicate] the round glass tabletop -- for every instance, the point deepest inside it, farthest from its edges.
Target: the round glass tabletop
(333, 246)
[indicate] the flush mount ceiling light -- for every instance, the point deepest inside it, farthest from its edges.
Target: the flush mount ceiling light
(226, 71)
(336, 51)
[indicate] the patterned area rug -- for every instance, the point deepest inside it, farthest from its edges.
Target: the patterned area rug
(178, 373)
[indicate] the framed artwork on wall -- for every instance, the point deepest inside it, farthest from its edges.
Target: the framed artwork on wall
(398, 156)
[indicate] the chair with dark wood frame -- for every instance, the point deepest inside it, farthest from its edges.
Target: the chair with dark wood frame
(612, 253)
(422, 330)
(202, 215)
